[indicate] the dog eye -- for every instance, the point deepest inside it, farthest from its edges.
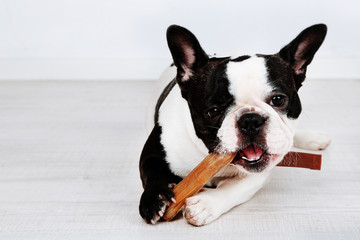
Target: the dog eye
(213, 112)
(277, 100)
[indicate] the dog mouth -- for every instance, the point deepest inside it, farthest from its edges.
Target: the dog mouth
(253, 158)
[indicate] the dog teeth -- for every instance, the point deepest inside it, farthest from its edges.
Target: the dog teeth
(247, 159)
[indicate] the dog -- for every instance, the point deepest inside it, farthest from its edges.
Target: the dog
(244, 104)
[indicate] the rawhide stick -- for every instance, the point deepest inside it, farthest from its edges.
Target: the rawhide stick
(301, 160)
(196, 179)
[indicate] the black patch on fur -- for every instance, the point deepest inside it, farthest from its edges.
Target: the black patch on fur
(162, 98)
(155, 176)
(203, 83)
(153, 166)
(209, 87)
(281, 78)
(240, 59)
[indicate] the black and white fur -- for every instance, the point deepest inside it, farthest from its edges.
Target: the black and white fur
(246, 104)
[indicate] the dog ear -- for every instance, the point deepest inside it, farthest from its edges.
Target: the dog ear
(186, 51)
(300, 52)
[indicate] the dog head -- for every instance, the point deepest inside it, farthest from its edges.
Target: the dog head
(244, 104)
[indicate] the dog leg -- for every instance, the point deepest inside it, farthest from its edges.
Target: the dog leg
(210, 204)
(311, 140)
(157, 179)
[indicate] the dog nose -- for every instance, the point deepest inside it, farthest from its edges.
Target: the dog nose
(250, 124)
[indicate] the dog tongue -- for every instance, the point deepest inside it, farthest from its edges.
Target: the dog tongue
(252, 152)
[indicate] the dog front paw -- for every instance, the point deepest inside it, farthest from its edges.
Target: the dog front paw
(311, 141)
(154, 201)
(199, 211)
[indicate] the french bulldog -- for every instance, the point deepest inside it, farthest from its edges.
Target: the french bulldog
(244, 104)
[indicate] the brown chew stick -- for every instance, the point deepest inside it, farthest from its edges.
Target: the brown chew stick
(213, 163)
(196, 179)
(301, 160)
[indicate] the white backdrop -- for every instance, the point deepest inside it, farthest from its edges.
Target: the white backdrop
(125, 39)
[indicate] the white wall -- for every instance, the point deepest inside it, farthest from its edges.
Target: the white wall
(125, 39)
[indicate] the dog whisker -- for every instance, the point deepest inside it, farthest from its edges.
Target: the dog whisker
(213, 127)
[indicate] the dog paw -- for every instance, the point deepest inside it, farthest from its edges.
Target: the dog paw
(154, 201)
(311, 141)
(199, 211)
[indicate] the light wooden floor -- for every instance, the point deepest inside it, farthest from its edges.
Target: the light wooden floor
(69, 168)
